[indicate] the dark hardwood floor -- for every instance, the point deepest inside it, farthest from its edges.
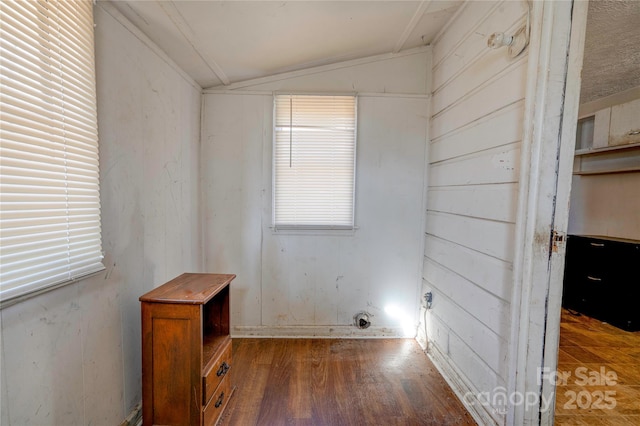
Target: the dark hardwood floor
(338, 382)
(601, 364)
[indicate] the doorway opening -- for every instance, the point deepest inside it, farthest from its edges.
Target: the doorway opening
(598, 378)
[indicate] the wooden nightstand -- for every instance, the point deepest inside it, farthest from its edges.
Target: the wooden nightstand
(186, 350)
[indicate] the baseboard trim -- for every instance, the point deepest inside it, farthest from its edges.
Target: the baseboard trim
(319, 332)
(135, 417)
(467, 395)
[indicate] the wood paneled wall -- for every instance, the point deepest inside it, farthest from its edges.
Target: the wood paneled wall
(474, 156)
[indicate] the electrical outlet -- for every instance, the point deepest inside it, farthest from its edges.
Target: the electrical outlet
(428, 298)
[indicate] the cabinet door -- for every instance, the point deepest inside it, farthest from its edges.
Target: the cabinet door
(626, 293)
(171, 364)
(588, 279)
(625, 123)
(570, 289)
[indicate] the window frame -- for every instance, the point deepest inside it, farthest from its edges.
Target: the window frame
(314, 229)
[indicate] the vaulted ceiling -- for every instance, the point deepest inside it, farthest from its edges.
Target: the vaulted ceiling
(222, 42)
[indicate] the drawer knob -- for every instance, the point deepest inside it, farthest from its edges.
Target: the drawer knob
(594, 278)
(634, 132)
(224, 367)
(220, 400)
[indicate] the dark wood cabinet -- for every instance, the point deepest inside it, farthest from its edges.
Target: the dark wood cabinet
(186, 350)
(602, 279)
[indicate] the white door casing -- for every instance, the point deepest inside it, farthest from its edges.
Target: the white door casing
(553, 91)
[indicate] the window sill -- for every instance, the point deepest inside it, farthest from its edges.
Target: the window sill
(6, 302)
(325, 232)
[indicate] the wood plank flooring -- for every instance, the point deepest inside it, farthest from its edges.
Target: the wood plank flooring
(338, 382)
(594, 353)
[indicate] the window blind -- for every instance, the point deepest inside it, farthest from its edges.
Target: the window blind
(314, 161)
(49, 180)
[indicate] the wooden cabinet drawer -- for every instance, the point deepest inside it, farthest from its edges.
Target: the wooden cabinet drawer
(217, 371)
(215, 406)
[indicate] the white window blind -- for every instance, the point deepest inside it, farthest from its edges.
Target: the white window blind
(314, 161)
(49, 193)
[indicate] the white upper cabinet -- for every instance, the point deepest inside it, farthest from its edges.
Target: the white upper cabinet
(608, 139)
(625, 123)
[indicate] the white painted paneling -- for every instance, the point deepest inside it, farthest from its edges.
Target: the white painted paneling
(103, 363)
(500, 127)
(473, 50)
(495, 165)
(469, 79)
(42, 347)
(300, 284)
(303, 277)
(477, 373)
(468, 374)
(489, 97)
(489, 237)
(151, 117)
(491, 314)
(494, 202)
(464, 24)
(487, 272)
(483, 342)
(233, 134)
(74, 353)
(476, 133)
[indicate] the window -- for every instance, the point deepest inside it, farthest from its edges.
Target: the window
(49, 194)
(314, 162)
(584, 133)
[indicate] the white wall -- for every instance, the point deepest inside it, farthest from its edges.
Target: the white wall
(312, 285)
(72, 356)
(606, 205)
(474, 156)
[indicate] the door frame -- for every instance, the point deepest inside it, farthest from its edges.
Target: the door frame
(551, 112)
